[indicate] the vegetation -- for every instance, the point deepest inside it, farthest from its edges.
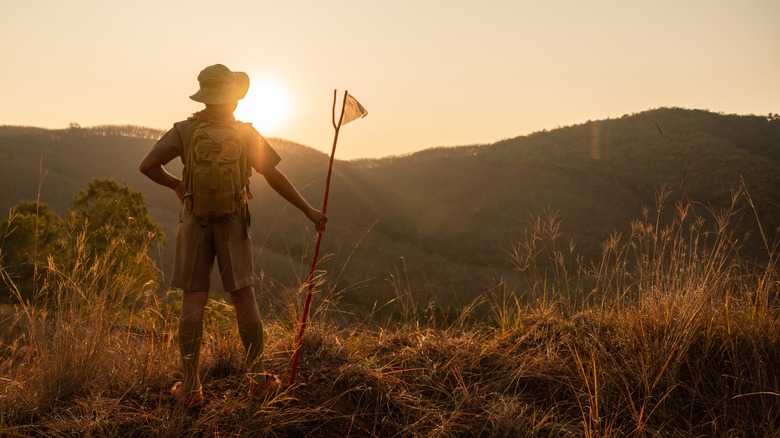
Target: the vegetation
(35, 237)
(445, 217)
(671, 332)
(32, 233)
(530, 303)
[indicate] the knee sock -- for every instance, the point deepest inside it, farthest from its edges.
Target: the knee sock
(190, 336)
(252, 338)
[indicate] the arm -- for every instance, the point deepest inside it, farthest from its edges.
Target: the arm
(153, 168)
(279, 182)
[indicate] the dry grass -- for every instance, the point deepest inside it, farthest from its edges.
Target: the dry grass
(672, 333)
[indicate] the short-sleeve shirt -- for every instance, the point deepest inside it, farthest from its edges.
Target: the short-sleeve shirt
(173, 144)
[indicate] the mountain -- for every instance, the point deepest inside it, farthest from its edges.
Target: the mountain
(440, 222)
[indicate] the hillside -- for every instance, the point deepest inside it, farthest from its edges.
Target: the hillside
(679, 344)
(441, 221)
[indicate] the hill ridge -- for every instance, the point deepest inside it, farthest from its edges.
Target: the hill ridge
(448, 214)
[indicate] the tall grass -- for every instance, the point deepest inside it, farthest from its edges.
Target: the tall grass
(674, 331)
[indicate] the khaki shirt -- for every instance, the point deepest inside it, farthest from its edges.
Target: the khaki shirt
(262, 157)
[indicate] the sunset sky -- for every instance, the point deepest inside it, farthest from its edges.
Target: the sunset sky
(429, 72)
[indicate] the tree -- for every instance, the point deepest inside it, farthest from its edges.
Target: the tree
(108, 233)
(110, 211)
(110, 237)
(31, 233)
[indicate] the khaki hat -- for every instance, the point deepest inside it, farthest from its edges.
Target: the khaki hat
(220, 85)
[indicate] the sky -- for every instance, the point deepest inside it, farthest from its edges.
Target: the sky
(430, 72)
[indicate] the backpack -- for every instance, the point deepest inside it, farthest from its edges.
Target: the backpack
(216, 171)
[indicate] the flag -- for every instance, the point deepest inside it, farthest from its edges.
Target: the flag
(352, 110)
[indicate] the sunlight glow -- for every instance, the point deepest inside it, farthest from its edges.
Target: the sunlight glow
(267, 105)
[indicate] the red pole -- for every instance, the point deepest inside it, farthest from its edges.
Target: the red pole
(310, 281)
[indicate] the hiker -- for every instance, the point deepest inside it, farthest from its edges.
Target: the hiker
(214, 221)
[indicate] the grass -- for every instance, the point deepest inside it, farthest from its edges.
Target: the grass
(673, 332)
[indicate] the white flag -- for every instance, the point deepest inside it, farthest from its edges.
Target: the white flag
(353, 110)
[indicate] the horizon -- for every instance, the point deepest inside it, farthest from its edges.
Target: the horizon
(412, 152)
(438, 74)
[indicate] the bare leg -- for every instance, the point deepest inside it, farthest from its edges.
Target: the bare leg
(192, 306)
(245, 304)
(191, 336)
(250, 328)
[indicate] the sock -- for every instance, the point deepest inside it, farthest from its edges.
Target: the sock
(252, 338)
(190, 336)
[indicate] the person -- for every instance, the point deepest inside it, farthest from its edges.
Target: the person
(199, 241)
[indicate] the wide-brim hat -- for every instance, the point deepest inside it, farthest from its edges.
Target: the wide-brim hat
(219, 85)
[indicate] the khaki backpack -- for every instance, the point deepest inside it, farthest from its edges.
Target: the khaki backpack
(216, 171)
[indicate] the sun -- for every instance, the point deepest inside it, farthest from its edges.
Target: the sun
(267, 105)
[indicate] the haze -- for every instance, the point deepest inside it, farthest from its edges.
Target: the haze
(430, 73)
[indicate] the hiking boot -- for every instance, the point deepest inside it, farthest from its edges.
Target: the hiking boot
(191, 399)
(260, 391)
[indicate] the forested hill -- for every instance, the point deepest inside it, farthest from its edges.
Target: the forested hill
(442, 220)
(598, 175)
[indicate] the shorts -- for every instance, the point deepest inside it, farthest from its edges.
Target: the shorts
(198, 243)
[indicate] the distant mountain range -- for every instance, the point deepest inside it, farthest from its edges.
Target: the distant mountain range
(440, 222)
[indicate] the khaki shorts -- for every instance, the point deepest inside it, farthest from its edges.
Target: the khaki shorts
(198, 244)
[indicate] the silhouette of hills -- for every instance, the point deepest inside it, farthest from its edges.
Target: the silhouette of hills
(440, 221)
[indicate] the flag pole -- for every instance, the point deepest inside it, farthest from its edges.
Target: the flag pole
(310, 281)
